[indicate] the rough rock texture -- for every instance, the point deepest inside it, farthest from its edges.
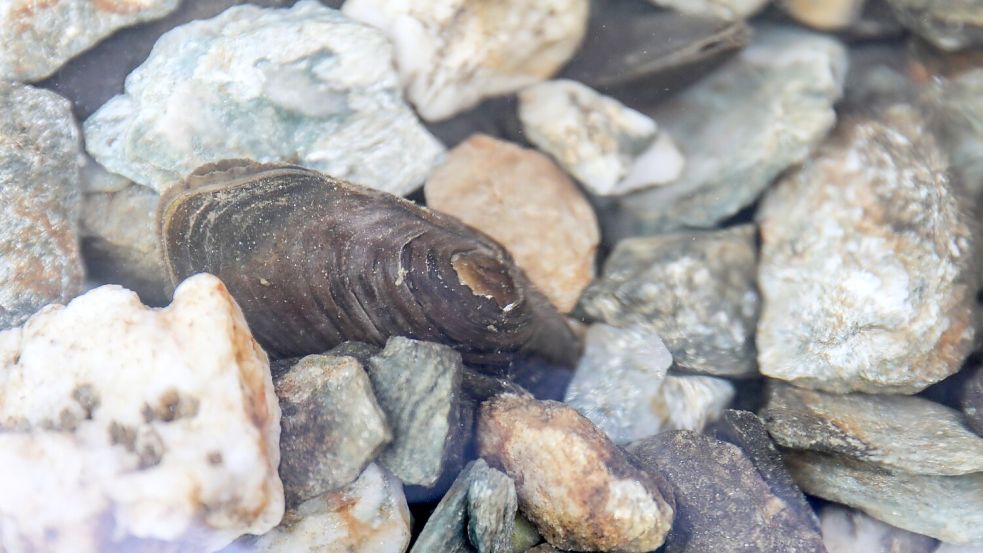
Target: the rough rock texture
(39, 202)
(725, 9)
(697, 289)
(748, 432)
(119, 239)
(722, 503)
(573, 483)
(163, 422)
(944, 507)
(867, 264)
(36, 38)
(828, 15)
(898, 433)
(418, 385)
(957, 105)
(332, 426)
(777, 95)
(305, 85)
(947, 24)
(972, 401)
(476, 514)
(368, 516)
(621, 385)
(453, 53)
(849, 531)
(609, 147)
(525, 202)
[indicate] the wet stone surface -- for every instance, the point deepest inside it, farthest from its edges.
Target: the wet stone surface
(848, 531)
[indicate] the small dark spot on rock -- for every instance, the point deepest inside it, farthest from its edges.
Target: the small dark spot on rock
(85, 395)
(123, 435)
(215, 458)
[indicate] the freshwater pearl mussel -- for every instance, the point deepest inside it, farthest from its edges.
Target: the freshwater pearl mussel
(314, 261)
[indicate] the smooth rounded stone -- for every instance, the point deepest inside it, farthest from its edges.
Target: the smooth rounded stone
(696, 288)
(948, 24)
(492, 508)
(722, 503)
(957, 106)
(898, 433)
(574, 484)
(368, 516)
(620, 59)
(544, 548)
(453, 53)
(526, 203)
(972, 401)
(166, 419)
(867, 264)
(777, 95)
(305, 85)
(524, 536)
(39, 202)
(748, 432)
(418, 386)
(621, 385)
(36, 38)
(849, 531)
(947, 508)
(331, 428)
(119, 239)
(724, 9)
(609, 147)
(827, 15)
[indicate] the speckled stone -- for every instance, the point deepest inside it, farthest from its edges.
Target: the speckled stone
(524, 201)
(332, 426)
(867, 263)
(849, 531)
(898, 433)
(453, 53)
(161, 420)
(573, 483)
(722, 503)
(36, 38)
(697, 289)
(304, 85)
(39, 202)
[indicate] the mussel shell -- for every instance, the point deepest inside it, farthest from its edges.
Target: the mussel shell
(314, 261)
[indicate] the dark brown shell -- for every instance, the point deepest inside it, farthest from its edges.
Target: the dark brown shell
(314, 261)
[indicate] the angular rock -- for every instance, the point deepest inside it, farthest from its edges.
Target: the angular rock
(722, 503)
(697, 289)
(898, 433)
(305, 85)
(454, 53)
(725, 9)
(418, 385)
(828, 15)
(368, 516)
(849, 531)
(36, 38)
(777, 95)
(576, 486)
(332, 426)
(622, 387)
(957, 106)
(745, 430)
(492, 507)
(620, 58)
(609, 147)
(866, 264)
(947, 24)
(947, 508)
(39, 202)
(119, 239)
(447, 528)
(972, 401)
(526, 203)
(163, 421)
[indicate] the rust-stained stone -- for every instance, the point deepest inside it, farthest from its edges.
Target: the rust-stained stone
(523, 200)
(39, 202)
(574, 484)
